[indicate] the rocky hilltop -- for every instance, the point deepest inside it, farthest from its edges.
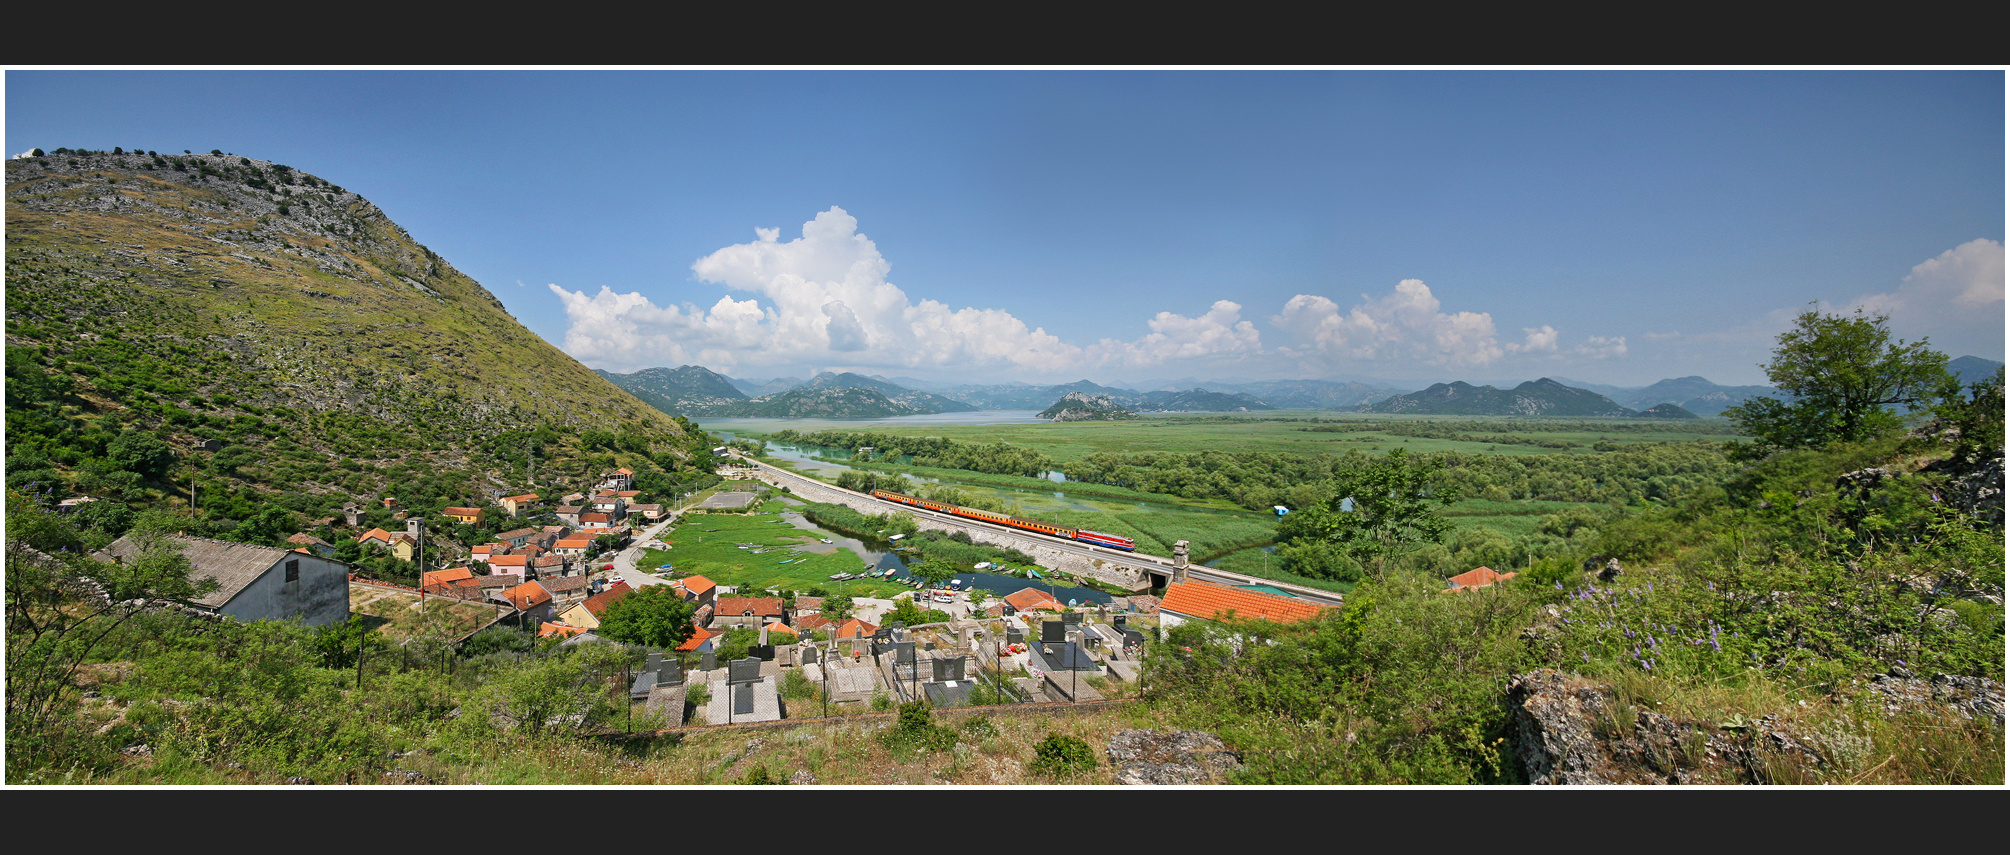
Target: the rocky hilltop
(1078, 407)
(1543, 397)
(207, 295)
(687, 389)
(1571, 730)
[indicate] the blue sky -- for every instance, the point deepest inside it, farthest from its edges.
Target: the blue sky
(1609, 226)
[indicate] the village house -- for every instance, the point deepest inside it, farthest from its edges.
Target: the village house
(444, 578)
(697, 589)
(569, 514)
(1478, 577)
(619, 479)
(530, 599)
(1031, 599)
(700, 640)
(750, 612)
(517, 538)
(574, 547)
(468, 516)
(587, 613)
(652, 513)
(566, 591)
(313, 544)
(257, 582)
(514, 505)
(376, 537)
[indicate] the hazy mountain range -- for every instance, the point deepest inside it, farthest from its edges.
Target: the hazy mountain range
(691, 390)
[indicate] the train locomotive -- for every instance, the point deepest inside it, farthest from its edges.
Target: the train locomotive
(1084, 535)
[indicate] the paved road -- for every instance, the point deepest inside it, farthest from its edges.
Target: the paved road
(624, 561)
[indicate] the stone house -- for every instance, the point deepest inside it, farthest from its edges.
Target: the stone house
(258, 582)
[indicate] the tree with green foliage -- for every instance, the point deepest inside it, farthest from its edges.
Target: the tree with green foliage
(1843, 373)
(656, 615)
(1978, 418)
(140, 452)
(1376, 510)
(837, 608)
(933, 571)
(61, 603)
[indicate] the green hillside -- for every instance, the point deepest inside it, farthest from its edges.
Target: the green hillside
(185, 298)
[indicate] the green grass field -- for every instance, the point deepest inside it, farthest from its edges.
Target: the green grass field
(1233, 538)
(1284, 431)
(709, 545)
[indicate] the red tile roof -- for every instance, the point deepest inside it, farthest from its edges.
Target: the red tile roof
(1202, 600)
(742, 606)
(1027, 599)
(698, 636)
(782, 627)
(698, 585)
(598, 603)
(444, 577)
(1478, 577)
(548, 629)
(527, 596)
(523, 498)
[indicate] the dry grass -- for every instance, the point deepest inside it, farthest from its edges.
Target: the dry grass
(991, 750)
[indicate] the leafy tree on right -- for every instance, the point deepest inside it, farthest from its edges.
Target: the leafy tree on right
(1844, 373)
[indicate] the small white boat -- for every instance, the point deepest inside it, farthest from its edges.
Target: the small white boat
(826, 539)
(896, 537)
(983, 565)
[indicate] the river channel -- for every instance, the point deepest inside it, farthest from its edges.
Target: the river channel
(880, 556)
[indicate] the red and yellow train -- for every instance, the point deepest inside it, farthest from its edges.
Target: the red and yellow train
(1082, 534)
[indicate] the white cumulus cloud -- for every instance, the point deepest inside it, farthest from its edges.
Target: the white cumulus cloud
(1539, 340)
(1217, 335)
(1954, 298)
(813, 299)
(1601, 347)
(1404, 324)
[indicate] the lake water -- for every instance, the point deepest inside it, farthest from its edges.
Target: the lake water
(979, 417)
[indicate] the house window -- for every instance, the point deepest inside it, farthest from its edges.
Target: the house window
(293, 570)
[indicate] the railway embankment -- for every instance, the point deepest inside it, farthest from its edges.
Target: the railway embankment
(1129, 572)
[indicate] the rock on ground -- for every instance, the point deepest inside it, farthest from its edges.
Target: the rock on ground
(1170, 757)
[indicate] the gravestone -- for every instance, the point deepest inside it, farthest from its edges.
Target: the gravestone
(948, 669)
(1053, 632)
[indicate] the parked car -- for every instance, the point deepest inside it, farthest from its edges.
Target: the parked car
(606, 566)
